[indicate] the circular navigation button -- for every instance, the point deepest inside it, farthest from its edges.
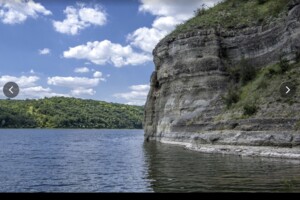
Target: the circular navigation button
(287, 89)
(11, 89)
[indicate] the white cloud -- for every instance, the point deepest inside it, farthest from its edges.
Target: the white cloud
(93, 16)
(165, 24)
(97, 74)
(82, 91)
(104, 52)
(178, 8)
(28, 87)
(169, 13)
(32, 71)
(137, 95)
(79, 18)
(39, 92)
(73, 82)
(36, 89)
(44, 51)
(22, 81)
(78, 85)
(82, 70)
(17, 11)
(140, 87)
(146, 38)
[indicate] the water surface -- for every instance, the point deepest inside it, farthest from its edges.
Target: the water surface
(120, 161)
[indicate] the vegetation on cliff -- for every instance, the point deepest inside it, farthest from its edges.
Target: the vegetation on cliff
(219, 78)
(61, 112)
(260, 96)
(252, 93)
(235, 14)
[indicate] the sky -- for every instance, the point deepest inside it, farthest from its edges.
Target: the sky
(95, 49)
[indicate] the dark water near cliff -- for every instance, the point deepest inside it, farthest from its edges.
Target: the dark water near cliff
(119, 161)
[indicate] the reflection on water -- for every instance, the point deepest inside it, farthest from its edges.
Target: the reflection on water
(120, 161)
(173, 168)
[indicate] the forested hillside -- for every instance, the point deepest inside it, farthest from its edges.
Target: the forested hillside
(61, 112)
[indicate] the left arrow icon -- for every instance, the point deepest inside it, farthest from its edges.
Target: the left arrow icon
(11, 89)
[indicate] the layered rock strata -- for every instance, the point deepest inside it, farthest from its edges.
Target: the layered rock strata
(191, 79)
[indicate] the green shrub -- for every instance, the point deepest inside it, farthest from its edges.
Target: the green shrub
(297, 126)
(298, 56)
(261, 1)
(200, 11)
(283, 64)
(248, 72)
(234, 73)
(263, 84)
(234, 13)
(242, 72)
(271, 72)
(232, 96)
(250, 109)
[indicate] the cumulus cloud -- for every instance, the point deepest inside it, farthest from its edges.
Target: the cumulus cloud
(103, 52)
(22, 81)
(73, 82)
(79, 18)
(78, 85)
(82, 91)
(142, 41)
(17, 11)
(178, 8)
(82, 70)
(29, 87)
(136, 96)
(169, 13)
(39, 92)
(140, 88)
(97, 74)
(146, 38)
(44, 51)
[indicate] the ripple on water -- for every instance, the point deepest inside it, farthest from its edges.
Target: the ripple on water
(119, 161)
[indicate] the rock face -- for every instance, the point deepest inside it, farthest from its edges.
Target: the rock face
(190, 79)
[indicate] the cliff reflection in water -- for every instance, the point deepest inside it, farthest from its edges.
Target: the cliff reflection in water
(173, 168)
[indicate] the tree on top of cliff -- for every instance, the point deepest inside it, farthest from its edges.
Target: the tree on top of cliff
(235, 14)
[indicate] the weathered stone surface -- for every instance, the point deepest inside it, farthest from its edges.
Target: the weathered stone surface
(190, 80)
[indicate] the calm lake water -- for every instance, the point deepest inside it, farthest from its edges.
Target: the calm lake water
(120, 161)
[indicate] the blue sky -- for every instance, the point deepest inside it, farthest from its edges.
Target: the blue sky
(96, 49)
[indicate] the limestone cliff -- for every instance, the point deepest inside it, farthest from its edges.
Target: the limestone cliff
(192, 78)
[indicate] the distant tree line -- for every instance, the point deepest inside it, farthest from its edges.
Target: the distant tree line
(62, 112)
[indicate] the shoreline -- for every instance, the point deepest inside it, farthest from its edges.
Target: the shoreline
(39, 128)
(239, 150)
(271, 144)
